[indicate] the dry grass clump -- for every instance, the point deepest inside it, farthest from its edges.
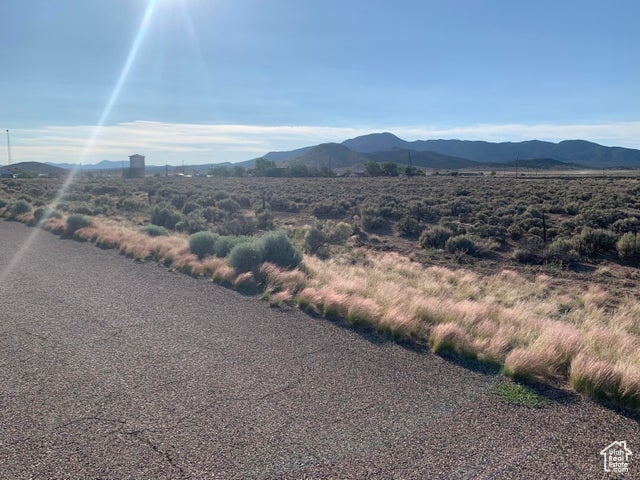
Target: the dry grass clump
(55, 225)
(535, 329)
(450, 337)
(246, 282)
(279, 279)
(603, 379)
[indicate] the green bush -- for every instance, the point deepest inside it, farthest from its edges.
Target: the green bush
(408, 226)
(277, 248)
(460, 243)
(83, 210)
(228, 205)
(434, 237)
(337, 233)
(44, 213)
(526, 256)
(20, 207)
(561, 251)
(3, 203)
(189, 207)
(165, 217)
(202, 243)
(225, 243)
(214, 214)
(76, 222)
(627, 247)
(246, 257)
(314, 239)
(155, 231)
(264, 220)
(240, 225)
(593, 241)
(372, 220)
(192, 223)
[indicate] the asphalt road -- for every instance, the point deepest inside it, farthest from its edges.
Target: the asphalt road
(116, 369)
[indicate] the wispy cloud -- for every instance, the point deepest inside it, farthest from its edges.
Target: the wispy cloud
(202, 143)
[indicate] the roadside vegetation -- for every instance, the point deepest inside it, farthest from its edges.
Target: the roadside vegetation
(538, 276)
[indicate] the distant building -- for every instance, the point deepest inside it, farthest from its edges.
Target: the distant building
(136, 166)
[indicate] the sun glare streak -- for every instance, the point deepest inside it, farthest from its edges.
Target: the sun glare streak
(188, 21)
(115, 93)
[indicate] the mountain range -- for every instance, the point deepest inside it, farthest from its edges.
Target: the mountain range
(464, 153)
(437, 154)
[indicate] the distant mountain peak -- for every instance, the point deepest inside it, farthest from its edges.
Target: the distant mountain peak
(375, 142)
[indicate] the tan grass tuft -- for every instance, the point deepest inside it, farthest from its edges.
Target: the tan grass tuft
(451, 338)
(362, 311)
(596, 378)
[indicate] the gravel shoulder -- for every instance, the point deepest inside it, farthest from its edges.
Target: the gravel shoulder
(116, 369)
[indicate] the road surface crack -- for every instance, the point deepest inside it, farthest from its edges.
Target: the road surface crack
(141, 436)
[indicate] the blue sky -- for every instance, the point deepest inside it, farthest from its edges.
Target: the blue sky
(221, 80)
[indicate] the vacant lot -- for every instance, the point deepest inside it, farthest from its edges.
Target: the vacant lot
(113, 369)
(537, 275)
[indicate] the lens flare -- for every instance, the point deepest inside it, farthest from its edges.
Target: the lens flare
(115, 93)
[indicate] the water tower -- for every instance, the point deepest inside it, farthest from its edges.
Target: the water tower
(136, 166)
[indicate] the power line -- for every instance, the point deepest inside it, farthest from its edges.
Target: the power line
(8, 148)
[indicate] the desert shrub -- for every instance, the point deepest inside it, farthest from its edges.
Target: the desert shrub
(629, 224)
(194, 222)
(327, 209)
(83, 210)
(408, 226)
(627, 246)
(515, 231)
(133, 205)
(165, 217)
(314, 239)
(189, 207)
(460, 243)
(264, 220)
(155, 231)
(526, 256)
(593, 241)
(239, 225)
(213, 214)
(3, 203)
(561, 251)
(246, 257)
(277, 248)
(225, 243)
(75, 222)
(372, 220)
(337, 232)
(434, 237)
(229, 205)
(19, 207)
(202, 243)
(178, 201)
(44, 213)
(282, 204)
(243, 200)
(105, 190)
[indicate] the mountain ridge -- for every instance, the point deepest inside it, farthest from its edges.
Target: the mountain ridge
(434, 153)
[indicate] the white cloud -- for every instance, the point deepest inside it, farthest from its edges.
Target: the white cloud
(203, 143)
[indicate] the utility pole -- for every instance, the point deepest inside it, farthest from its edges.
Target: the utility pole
(8, 148)
(516, 167)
